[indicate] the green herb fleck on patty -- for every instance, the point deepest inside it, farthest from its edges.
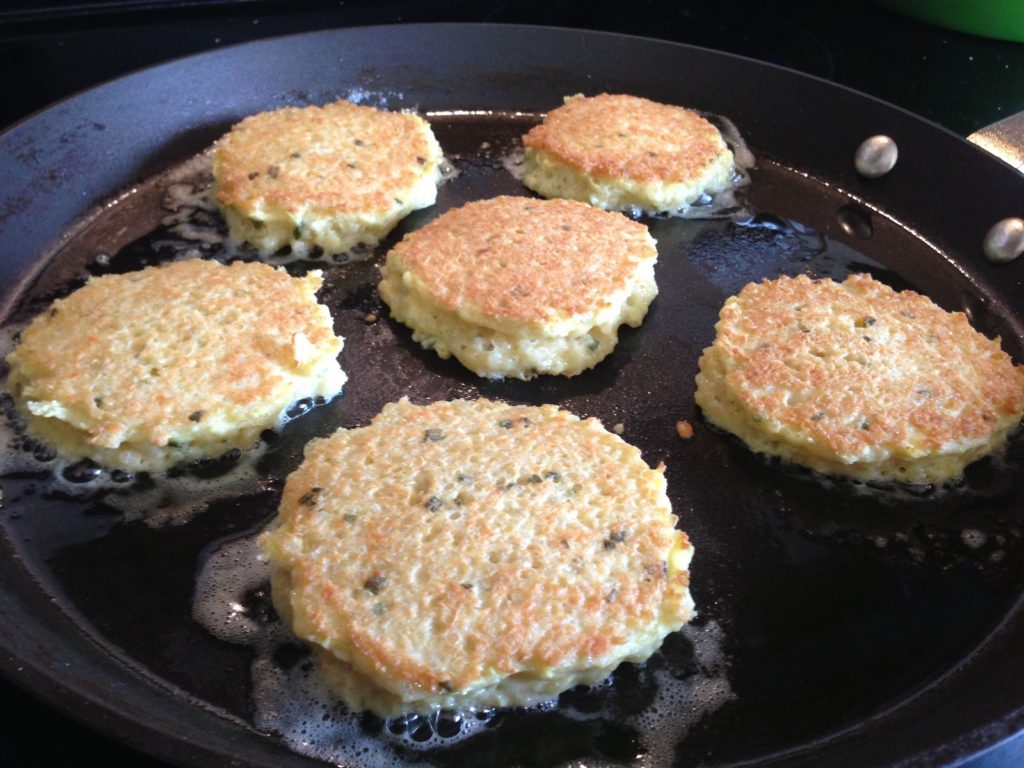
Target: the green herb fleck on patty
(310, 498)
(375, 584)
(615, 537)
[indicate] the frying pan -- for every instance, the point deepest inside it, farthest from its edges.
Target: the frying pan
(859, 626)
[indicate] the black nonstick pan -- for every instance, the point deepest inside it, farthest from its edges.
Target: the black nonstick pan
(840, 624)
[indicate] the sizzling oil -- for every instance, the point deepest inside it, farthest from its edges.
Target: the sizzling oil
(679, 686)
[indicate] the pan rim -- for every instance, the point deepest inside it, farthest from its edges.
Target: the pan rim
(12, 665)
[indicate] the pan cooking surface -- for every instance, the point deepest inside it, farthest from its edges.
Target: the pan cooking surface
(826, 603)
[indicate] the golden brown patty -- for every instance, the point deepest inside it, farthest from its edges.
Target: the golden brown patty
(619, 152)
(474, 554)
(857, 379)
(337, 176)
(515, 286)
(182, 361)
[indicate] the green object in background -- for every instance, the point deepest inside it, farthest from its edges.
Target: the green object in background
(1001, 19)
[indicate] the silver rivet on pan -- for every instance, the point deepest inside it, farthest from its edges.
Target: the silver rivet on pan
(1005, 241)
(875, 157)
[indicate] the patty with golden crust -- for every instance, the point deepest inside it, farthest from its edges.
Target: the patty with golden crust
(621, 152)
(475, 554)
(515, 286)
(857, 379)
(338, 177)
(142, 370)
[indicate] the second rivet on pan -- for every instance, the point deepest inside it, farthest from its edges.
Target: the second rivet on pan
(875, 157)
(1004, 241)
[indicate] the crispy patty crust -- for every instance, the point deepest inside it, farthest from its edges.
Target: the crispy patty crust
(621, 152)
(857, 379)
(337, 177)
(514, 286)
(183, 361)
(475, 554)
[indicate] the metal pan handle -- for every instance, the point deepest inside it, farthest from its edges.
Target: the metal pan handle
(1004, 139)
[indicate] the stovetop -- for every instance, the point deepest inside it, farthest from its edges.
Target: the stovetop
(960, 81)
(50, 50)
